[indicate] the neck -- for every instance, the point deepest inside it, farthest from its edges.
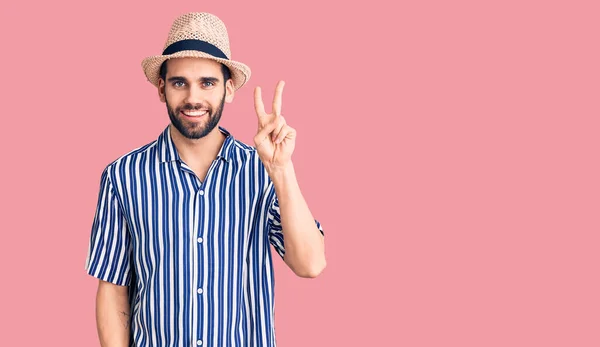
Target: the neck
(204, 149)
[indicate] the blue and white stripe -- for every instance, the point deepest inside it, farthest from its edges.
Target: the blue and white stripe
(195, 254)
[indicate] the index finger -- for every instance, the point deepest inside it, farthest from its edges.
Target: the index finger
(259, 107)
(277, 98)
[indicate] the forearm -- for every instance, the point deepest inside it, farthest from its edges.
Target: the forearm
(304, 243)
(112, 315)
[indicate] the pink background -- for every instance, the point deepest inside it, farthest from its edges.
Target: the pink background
(450, 150)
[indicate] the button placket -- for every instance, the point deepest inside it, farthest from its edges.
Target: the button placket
(200, 198)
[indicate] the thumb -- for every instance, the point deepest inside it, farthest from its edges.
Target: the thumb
(265, 131)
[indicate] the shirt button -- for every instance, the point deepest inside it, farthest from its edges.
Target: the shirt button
(201, 192)
(199, 240)
(200, 290)
(199, 342)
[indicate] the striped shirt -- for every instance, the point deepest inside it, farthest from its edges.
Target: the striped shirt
(195, 255)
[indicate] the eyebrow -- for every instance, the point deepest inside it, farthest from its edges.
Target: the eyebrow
(201, 79)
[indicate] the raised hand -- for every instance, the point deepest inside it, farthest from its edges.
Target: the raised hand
(274, 140)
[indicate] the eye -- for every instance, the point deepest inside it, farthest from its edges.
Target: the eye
(208, 84)
(178, 84)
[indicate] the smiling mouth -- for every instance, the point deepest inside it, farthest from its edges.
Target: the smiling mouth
(194, 114)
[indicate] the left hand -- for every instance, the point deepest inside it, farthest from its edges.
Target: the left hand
(274, 140)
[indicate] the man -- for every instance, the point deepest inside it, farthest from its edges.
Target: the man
(183, 227)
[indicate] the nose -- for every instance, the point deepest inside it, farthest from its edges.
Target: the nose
(194, 96)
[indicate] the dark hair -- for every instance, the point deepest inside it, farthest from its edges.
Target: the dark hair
(224, 70)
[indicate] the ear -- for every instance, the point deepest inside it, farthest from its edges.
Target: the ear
(161, 90)
(229, 91)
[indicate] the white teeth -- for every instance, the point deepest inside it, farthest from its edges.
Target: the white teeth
(194, 113)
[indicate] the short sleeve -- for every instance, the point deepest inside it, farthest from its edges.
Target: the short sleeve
(274, 225)
(109, 249)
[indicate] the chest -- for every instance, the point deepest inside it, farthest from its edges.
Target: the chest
(200, 169)
(173, 213)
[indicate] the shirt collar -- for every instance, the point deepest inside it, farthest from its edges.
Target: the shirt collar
(167, 151)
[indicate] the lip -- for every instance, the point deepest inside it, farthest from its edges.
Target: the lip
(194, 117)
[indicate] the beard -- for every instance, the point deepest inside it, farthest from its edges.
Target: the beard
(195, 130)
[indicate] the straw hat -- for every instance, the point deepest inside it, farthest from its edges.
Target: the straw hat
(200, 35)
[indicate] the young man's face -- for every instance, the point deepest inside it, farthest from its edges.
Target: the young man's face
(195, 92)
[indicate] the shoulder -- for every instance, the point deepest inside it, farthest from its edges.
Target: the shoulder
(241, 146)
(242, 151)
(131, 159)
(247, 156)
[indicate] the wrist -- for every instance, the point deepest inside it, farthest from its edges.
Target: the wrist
(279, 175)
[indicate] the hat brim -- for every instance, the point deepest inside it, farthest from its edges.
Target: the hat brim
(240, 73)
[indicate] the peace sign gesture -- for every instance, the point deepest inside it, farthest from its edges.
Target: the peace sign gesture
(274, 140)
